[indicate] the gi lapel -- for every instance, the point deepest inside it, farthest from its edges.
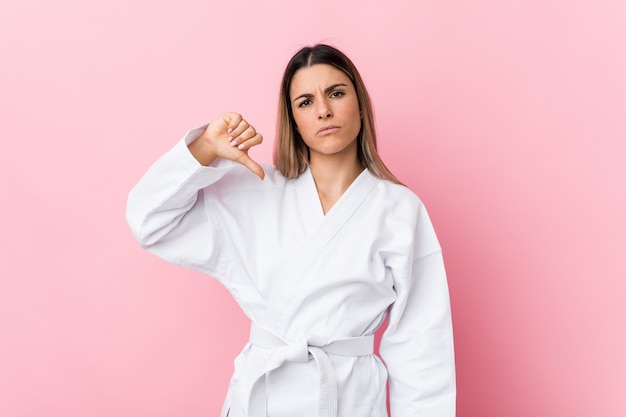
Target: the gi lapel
(293, 272)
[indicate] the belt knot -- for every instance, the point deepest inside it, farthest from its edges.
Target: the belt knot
(303, 350)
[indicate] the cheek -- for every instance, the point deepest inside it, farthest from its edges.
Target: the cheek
(301, 125)
(356, 118)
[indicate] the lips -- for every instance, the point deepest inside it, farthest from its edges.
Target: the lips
(327, 129)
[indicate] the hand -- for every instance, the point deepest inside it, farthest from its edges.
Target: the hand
(228, 137)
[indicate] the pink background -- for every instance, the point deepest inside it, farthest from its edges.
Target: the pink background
(508, 118)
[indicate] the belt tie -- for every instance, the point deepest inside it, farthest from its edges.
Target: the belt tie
(303, 352)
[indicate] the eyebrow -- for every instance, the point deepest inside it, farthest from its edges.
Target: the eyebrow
(326, 91)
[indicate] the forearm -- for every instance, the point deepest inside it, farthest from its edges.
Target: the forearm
(418, 346)
(167, 191)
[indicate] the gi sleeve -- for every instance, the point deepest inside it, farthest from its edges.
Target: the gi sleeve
(417, 346)
(166, 214)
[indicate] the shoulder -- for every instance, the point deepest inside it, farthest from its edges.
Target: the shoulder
(397, 195)
(396, 206)
(405, 212)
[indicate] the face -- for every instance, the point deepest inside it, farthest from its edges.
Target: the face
(326, 110)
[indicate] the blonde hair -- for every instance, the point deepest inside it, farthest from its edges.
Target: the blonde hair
(291, 155)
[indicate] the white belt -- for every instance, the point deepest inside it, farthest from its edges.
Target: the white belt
(299, 352)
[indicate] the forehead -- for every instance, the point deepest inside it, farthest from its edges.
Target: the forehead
(308, 79)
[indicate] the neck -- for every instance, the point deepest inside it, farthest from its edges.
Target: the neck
(333, 176)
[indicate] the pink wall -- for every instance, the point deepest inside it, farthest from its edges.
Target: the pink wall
(508, 118)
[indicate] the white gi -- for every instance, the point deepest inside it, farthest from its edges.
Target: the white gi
(316, 287)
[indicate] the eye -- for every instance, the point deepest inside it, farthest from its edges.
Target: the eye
(337, 93)
(304, 103)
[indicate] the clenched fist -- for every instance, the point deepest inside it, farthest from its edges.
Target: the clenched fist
(228, 137)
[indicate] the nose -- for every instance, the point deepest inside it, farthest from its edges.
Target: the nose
(324, 111)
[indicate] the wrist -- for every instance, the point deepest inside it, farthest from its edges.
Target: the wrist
(202, 150)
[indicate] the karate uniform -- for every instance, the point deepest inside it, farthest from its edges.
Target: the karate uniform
(315, 287)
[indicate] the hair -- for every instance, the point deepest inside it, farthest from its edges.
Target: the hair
(291, 154)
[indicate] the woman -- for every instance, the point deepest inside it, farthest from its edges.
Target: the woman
(317, 252)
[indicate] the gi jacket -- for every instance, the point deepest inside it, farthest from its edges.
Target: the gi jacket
(315, 287)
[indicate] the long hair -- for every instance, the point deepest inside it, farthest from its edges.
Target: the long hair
(291, 154)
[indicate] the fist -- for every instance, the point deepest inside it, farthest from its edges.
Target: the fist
(229, 137)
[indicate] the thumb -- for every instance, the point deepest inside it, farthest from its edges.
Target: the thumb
(249, 163)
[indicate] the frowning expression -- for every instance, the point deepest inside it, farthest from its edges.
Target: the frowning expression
(326, 110)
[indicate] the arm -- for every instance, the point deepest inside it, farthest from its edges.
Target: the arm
(417, 346)
(164, 210)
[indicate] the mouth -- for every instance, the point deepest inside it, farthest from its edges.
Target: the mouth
(327, 130)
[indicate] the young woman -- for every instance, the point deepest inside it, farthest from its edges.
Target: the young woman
(317, 251)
